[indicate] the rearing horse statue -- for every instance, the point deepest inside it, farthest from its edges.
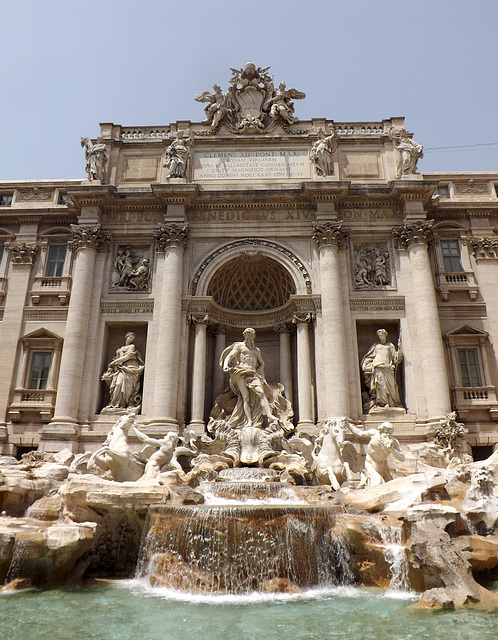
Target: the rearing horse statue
(334, 457)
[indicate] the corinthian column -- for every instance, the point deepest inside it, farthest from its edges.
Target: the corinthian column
(329, 238)
(22, 255)
(304, 393)
(285, 330)
(171, 239)
(86, 242)
(200, 321)
(414, 237)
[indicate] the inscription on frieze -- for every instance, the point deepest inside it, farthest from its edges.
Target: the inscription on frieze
(243, 215)
(251, 165)
(133, 217)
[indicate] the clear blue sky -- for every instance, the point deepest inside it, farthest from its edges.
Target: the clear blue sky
(67, 65)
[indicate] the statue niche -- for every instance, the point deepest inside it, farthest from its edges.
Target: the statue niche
(123, 377)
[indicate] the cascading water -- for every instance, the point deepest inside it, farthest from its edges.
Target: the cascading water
(394, 553)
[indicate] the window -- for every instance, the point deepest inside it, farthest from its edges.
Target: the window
(443, 191)
(469, 368)
(1, 253)
(40, 366)
(55, 262)
(6, 199)
(64, 198)
(451, 256)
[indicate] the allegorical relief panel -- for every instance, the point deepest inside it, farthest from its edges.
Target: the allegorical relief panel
(131, 268)
(372, 265)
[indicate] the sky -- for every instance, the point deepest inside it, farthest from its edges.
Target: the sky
(67, 65)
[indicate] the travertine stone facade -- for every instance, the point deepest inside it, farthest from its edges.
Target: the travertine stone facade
(316, 233)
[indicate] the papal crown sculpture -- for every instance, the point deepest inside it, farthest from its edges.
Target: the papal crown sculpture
(251, 103)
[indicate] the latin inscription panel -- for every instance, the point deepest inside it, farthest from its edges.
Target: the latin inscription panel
(251, 165)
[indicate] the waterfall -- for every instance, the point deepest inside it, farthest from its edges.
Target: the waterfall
(393, 551)
(240, 549)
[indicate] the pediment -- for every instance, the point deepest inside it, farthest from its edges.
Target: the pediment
(465, 330)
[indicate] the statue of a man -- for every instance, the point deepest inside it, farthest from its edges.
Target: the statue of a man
(177, 155)
(381, 446)
(219, 105)
(123, 375)
(95, 159)
(379, 368)
(244, 363)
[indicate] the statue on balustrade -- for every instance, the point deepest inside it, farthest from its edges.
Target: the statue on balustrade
(321, 152)
(410, 152)
(177, 155)
(379, 366)
(95, 158)
(219, 105)
(123, 376)
(380, 447)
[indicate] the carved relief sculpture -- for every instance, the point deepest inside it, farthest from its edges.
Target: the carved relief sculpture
(177, 155)
(371, 265)
(131, 268)
(379, 366)
(410, 152)
(123, 376)
(321, 152)
(95, 159)
(251, 103)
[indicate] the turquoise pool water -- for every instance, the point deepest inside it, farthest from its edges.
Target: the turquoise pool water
(131, 611)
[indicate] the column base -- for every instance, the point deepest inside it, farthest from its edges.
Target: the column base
(308, 426)
(197, 426)
(161, 426)
(62, 433)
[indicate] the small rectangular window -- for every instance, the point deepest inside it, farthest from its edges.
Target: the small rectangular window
(55, 262)
(469, 368)
(451, 256)
(443, 191)
(40, 366)
(63, 198)
(6, 199)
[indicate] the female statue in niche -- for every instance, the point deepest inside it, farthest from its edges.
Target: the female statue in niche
(379, 367)
(123, 375)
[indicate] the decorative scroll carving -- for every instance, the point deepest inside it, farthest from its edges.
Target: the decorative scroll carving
(251, 102)
(198, 318)
(284, 327)
(131, 268)
(329, 233)
(23, 253)
(177, 155)
(215, 329)
(372, 268)
(303, 316)
(413, 233)
(410, 152)
(471, 187)
(89, 238)
(41, 195)
(484, 247)
(174, 235)
(95, 159)
(252, 241)
(322, 150)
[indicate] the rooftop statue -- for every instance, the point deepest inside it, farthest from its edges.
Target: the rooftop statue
(410, 152)
(322, 150)
(95, 159)
(379, 366)
(177, 155)
(251, 102)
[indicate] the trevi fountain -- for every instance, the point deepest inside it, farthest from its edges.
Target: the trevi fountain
(291, 534)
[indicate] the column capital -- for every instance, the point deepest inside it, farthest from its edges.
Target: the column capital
(411, 233)
(198, 318)
(484, 248)
(303, 317)
(89, 238)
(284, 327)
(22, 252)
(172, 235)
(223, 329)
(329, 233)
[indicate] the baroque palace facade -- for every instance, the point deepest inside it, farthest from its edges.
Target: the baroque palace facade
(317, 234)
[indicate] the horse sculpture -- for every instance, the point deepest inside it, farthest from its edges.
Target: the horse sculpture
(334, 458)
